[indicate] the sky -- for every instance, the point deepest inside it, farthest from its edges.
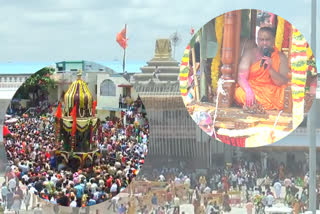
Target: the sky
(58, 30)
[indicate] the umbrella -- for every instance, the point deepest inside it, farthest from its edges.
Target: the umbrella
(12, 120)
(8, 116)
(6, 131)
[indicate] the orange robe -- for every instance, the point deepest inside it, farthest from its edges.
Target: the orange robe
(269, 95)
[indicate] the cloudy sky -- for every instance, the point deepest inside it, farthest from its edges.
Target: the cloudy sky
(54, 30)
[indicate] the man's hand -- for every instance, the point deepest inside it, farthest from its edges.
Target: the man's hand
(250, 98)
(267, 61)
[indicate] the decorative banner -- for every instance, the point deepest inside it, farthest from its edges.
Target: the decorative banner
(74, 118)
(82, 124)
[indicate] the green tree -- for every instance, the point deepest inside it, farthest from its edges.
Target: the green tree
(36, 84)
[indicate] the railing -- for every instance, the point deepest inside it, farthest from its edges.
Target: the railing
(13, 78)
(31, 110)
(12, 81)
(15, 85)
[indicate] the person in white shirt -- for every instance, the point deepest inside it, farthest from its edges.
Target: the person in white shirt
(207, 190)
(94, 187)
(187, 182)
(176, 202)
(4, 192)
(54, 179)
(269, 200)
(277, 188)
(162, 178)
(113, 189)
(73, 202)
(12, 184)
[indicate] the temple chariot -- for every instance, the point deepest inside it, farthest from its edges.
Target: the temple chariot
(76, 127)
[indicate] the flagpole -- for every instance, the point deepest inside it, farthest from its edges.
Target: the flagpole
(124, 52)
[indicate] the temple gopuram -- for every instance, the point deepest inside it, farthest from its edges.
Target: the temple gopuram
(175, 137)
(76, 126)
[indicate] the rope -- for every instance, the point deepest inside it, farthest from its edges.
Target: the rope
(275, 123)
(219, 90)
(274, 126)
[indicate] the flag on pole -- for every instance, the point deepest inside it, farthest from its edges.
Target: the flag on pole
(74, 118)
(122, 38)
(94, 108)
(192, 31)
(59, 112)
(5, 131)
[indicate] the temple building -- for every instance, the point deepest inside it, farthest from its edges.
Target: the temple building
(174, 136)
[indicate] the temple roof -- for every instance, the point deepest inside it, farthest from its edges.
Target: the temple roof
(160, 75)
(78, 93)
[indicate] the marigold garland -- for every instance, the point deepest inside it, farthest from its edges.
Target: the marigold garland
(280, 32)
(299, 74)
(219, 23)
(312, 70)
(184, 72)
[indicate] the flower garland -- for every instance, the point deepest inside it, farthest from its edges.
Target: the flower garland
(184, 72)
(299, 74)
(280, 33)
(219, 23)
(312, 69)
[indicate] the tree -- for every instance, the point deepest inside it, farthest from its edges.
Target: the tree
(36, 85)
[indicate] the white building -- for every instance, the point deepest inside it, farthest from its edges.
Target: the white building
(104, 83)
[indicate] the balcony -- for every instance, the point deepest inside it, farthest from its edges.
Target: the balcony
(12, 81)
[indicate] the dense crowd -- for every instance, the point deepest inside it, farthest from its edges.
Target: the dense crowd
(122, 143)
(257, 189)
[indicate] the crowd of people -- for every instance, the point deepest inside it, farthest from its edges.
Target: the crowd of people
(212, 192)
(257, 191)
(122, 143)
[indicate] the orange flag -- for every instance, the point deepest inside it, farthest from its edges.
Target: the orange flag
(192, 31)
(59, 112)
(74, 118)
(94, 108)
(121, 38)
(5, 131)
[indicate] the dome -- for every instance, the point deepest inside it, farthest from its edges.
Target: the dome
(78, 93)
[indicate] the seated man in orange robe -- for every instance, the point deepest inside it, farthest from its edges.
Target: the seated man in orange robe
(263, 74)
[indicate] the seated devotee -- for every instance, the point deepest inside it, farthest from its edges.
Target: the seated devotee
(263, 74)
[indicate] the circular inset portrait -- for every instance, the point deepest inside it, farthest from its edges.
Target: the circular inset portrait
(248, 77)
(75, 136)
